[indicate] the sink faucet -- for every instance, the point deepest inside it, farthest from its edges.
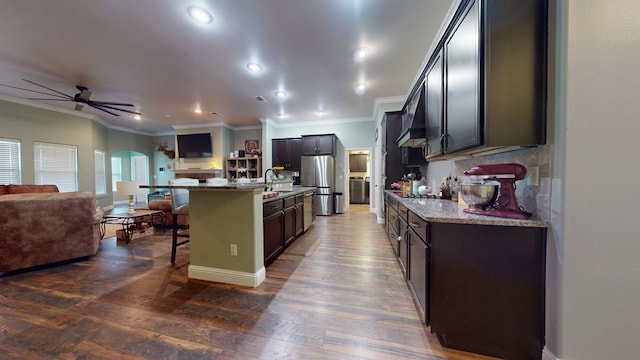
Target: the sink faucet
(275, 172)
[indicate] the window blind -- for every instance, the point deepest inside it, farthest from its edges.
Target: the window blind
(101, 176)
(56, 164)
(10, 162)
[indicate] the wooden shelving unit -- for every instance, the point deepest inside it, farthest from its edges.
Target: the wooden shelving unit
(249, 167)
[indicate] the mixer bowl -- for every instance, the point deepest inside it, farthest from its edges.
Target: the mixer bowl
(480, 195)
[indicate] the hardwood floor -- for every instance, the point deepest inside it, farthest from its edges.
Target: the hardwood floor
(347, 301)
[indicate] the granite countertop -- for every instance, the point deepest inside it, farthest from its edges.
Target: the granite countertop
(203, 186)
(297, 189)
(448, 211)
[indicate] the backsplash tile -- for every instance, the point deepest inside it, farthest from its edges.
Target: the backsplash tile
(534, 199)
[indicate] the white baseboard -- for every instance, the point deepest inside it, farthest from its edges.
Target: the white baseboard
(548, 355)
(227, 276)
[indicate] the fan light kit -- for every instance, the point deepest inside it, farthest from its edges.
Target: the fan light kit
(81, 99)
(199, 14)
(360, 54)
(254, 67)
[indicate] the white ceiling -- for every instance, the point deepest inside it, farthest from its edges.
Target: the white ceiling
(152, 54)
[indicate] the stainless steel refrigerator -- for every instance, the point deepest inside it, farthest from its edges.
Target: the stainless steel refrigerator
(318, 171)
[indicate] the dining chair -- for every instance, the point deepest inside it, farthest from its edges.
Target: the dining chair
(180, 206)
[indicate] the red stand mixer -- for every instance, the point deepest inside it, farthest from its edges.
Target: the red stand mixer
(506, 204)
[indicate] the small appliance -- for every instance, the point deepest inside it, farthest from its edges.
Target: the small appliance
(505, 203)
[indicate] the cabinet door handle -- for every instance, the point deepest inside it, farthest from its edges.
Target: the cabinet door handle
(273, 207)
(415, 224)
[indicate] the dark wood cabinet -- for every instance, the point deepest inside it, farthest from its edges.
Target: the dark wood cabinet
(283, 223)
(319, 144)
(403, 244)
(434, 120)
(289, 213)
(486, 81)
(462, 82)
(358, 162)
(273, 230)
(286, 153)
(393, 169)
(392, 222)
(299, 215)
(488, 289)
(419, 269)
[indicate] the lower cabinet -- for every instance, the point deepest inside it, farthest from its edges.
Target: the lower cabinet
(488, 289)
(481, 288)
(273, 230)
(289, 220)
(419, 270)
(299, 215)
(403, 245)
(283, 222)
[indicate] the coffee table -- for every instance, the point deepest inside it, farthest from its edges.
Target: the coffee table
(122, 217)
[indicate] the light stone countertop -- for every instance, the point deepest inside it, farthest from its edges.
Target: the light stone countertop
(297, 189)
(448, 211)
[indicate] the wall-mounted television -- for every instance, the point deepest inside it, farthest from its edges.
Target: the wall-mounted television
(194, 145)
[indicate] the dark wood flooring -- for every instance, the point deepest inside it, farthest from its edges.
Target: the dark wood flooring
(347, 301)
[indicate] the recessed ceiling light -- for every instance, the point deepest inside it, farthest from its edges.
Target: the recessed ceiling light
(137, 117)
(360, 88)
(200, 14)
(254, 67)
(197, 110)
(360, 54)
(280, 94)
(321, 112)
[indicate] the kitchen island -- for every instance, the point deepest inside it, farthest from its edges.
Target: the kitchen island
(226, 231)
(479, 281)
(222, 218)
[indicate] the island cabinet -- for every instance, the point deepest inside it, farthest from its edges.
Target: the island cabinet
(289, 213)
(286, 153)
(273, 230)
(486, 80)
(284, 221)
(299, 214)
(488, 288)
(319, 144)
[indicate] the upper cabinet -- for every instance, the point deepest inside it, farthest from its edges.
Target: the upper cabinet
(286, 153)
(486, 81)
(462, 84)
(319, 144)
(434, 120)
(358, 162)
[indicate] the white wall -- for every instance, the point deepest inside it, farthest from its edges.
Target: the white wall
(600, 311)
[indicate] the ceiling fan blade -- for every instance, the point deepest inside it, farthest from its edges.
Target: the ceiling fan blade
(107, 111)
(78, 107)
(110, 103)
(43, 99)
(38, 92)
(113, 108)
(42, 86)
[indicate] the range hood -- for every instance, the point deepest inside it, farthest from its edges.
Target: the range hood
(413, 121)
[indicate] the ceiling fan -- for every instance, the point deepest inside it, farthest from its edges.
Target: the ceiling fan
(80, 99)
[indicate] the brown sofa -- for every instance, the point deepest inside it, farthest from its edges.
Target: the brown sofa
(39, 225)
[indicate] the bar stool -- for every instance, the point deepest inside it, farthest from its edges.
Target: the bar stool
(179, 206)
